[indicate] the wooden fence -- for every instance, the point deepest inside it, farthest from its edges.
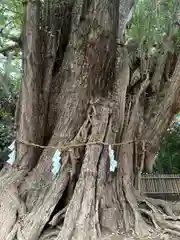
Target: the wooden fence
(162, 186)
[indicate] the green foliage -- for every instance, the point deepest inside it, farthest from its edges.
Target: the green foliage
(153, 23)
(168, 158)
(11, 10)
(10, 71)
(7, 131)
(7, 135)
(10, 28)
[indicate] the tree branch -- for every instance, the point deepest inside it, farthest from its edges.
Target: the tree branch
(12, 38)
(2, 29)
(8, 49)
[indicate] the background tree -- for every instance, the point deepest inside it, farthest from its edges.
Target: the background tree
(7, 131)
(10, 72)
(167, 160)
(85, 87)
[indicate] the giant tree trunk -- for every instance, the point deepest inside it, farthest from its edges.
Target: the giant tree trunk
(79, 94)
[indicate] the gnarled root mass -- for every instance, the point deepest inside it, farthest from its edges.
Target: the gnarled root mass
(91, 214)
(84, 201)
(160, 215)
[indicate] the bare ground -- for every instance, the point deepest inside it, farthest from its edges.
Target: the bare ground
(153, 236)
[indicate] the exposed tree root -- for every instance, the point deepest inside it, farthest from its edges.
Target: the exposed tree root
(165, 221)
(33, 224)
(58, 217)
(50, 234)
(87, 209)
(172, 232)
(138, 224)
(14, 218)
(162, 205)
(12, 207)
(94, 207)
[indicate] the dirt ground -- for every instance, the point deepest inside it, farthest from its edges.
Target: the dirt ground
(153, 236)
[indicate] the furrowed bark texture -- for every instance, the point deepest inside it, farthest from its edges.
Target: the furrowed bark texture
(79, 86)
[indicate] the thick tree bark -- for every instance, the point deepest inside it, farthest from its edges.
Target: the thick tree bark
(79, 90)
